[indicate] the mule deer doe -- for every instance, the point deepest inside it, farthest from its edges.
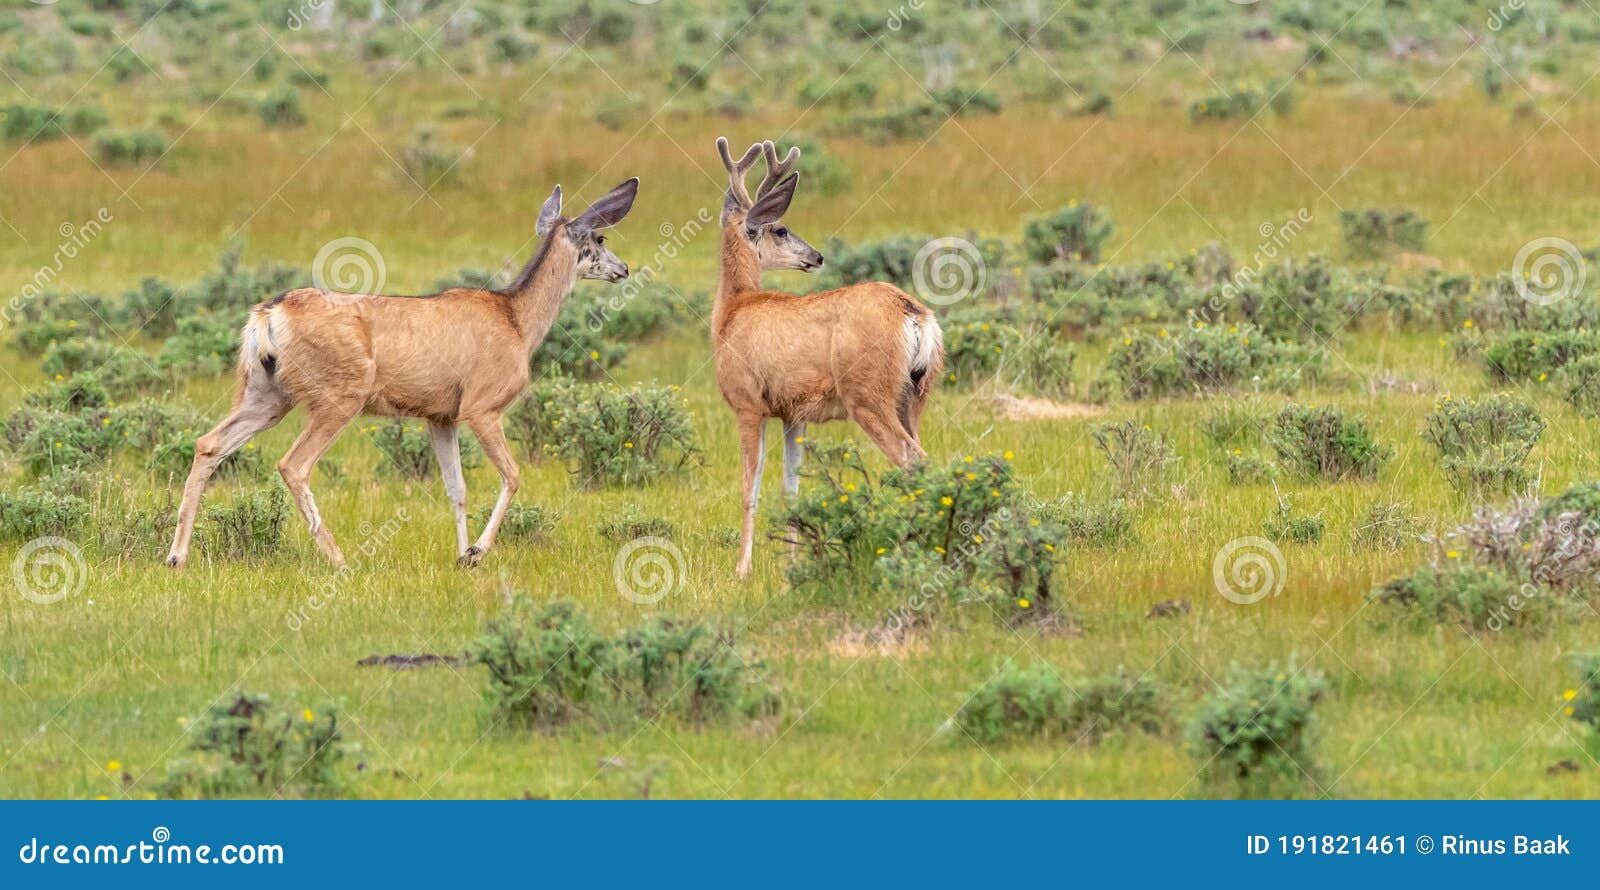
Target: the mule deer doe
(460, 356)
(868, 352)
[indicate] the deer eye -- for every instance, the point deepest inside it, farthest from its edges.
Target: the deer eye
(780, 232)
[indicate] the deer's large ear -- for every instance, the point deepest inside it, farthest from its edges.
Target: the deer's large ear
(730, 206)
(771, 206)
(549, 213)
(609, 210)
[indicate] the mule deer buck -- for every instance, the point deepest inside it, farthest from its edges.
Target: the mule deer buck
(460, 356)
(868, 352)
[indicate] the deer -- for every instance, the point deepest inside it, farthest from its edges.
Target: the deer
(868, 352)
(455, 357)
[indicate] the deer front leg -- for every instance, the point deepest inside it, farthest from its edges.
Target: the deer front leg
(752, 445)
(447, 448)
(493, 440)
(793, 453)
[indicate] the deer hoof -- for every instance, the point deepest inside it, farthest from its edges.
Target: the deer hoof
(473, 556)
(174, 562)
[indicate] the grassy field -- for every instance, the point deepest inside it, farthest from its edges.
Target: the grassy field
(98, 687)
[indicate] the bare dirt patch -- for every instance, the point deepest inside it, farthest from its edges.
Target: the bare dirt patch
(1029, 408)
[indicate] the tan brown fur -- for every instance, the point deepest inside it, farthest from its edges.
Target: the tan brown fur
(456, 357)
(836, 355)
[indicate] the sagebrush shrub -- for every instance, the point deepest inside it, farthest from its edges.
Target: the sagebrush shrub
(130, 146)
(1370, 233)
(1583, 699)
(1249, 469)
(1325, 443)
(1534, 355)
(35, 511)
(1477, 598)
(248, 746)
(1256, 727)
(1387, 525)
(251, 525)
(1076, 232)
(1141, 459)
(615, 437)
(1284, 525)
(1483, 444)
(407, 448)
(205, 345)
(1233, 423)
(172, 458)
(1207, 358)
(549, 665)
(633, 523)
(1032, 701)
(1103, 523)
(1580, 381)
(527, 523)
(926, 535)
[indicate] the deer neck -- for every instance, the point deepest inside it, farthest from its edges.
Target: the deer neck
(741, 271)
(537, 296)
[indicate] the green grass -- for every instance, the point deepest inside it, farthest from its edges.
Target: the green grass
(108, 674)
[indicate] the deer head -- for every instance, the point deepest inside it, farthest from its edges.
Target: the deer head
(760, 222)
(594, 260)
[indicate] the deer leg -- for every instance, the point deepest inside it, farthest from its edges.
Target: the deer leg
(255, 410)
(793, 454)
(322, 427)
(447, 448)
(752, 445)
(885, 431)
(493, 440)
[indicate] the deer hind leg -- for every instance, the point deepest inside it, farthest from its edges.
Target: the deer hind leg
(752, 446)
(322, 427)
(447, 448)
(257, 408)
(493, 440)
(911, 407)
(884, 429)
